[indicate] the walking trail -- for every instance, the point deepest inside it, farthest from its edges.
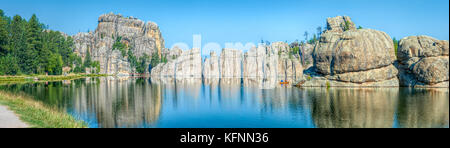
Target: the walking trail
(9, 119)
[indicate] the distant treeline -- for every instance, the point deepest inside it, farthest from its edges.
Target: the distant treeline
(29, 47)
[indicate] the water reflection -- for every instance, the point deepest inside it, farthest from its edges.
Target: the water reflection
(354, 108)
(171, 102)
(427, 108)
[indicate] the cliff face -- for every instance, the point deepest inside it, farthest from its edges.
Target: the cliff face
(272, 62)
(423, 62)
(346, 56)
(139, 36)
(186, 64)
(264, 66)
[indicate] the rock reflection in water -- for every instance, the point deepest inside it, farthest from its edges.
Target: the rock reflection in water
(117, 102)
(423, 108)
(172, 102)
(354, 107)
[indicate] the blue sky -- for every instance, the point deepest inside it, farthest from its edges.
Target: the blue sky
(243, 21)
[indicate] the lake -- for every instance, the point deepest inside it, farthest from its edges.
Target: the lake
(113, 102)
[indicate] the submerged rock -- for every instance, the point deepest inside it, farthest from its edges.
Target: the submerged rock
(423, 62)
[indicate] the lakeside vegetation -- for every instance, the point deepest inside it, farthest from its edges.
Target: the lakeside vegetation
(28, 47)
(36, 114)
(21, 78)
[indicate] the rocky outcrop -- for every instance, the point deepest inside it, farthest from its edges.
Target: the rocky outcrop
(211, 66)
(346, 56)
(340, 24)
(138, 36)
(187, 65)
(230, 63)
(423, 62)
(306, 55)
(272, 61)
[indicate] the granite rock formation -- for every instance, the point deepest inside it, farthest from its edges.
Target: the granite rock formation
(306, 55)
(211, 66)
(423, 62)
(346, 56)
(187, 64)
(230, 63)
(272, 61)
(139, 36)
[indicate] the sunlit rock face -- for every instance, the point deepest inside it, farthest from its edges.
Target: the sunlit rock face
(267, 65)
(183, 64)
(167, 69)
(423, 62)
(139, 36)
(354, 108)
(306, 55)
(211, 66)
(230, 63)
(189, 64)
(346, 56)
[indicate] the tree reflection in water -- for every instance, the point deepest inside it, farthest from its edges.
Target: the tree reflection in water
(255, 102)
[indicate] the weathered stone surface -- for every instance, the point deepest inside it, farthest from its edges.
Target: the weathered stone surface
(423, 62)
(211, 66)
(272, 62)
(353, 51)
(346, 56)
(340, 24)
(306, 55)
(167, 69)
(230, 63)
(140, 37)
(255, 61)
(421, 46)
(189, 64)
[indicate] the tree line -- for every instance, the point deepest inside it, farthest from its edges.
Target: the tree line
(29, 47)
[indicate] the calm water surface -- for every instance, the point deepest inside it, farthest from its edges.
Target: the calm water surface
(141, 102)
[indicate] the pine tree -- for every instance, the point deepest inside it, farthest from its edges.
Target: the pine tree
(87, 60)
(3, 35)
(34, 56)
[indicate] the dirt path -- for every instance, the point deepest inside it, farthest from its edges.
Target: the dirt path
(9, 119)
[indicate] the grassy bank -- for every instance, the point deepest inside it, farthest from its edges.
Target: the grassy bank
(36, 114)
(47, 78)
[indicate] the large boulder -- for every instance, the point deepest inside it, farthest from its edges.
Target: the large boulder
(346, 56)
(423, 62)
(142, 38)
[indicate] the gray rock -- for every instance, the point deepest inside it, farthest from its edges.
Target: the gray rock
(211, 66)
(340, 24)
(189, 64)
(230, 63)
(423, 62)
(140, 37)
(346, 56)
(306, 55)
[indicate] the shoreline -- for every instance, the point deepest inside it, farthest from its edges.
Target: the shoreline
(34, 78)
(36, 115)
